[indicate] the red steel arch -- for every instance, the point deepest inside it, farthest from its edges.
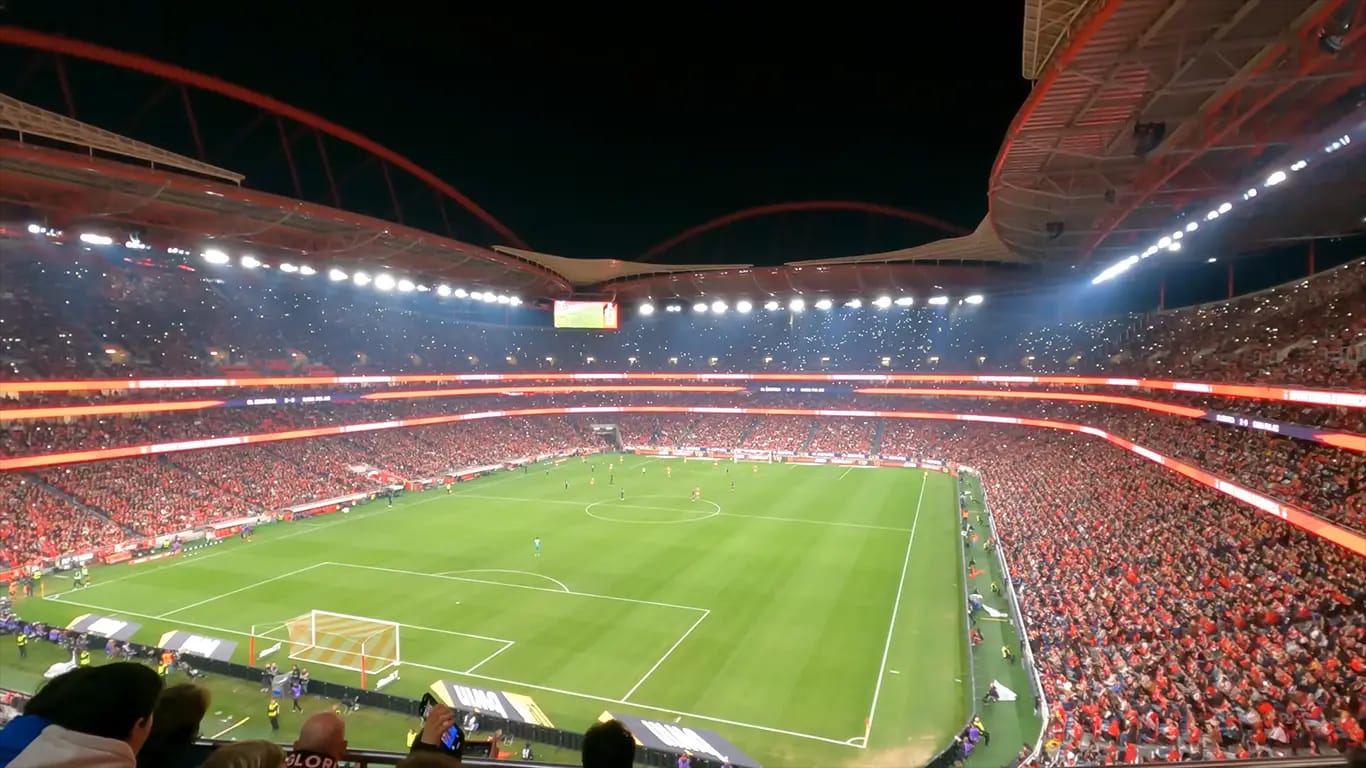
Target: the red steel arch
(62, 46)
(797, 207)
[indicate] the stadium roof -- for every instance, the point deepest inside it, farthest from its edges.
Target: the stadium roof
(1146, 107)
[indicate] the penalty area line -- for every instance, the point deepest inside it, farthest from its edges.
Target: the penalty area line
(491, 679)
(490, 657)
(666, 655)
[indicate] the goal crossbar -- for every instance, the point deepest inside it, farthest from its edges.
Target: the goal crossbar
(356, 643)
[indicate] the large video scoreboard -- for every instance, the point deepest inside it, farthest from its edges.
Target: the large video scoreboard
(587, 315)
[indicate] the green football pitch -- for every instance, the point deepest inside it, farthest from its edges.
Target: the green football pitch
(811, 614)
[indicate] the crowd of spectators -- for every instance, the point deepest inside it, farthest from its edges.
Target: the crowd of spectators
(1167, 620)
(38, 524)
(77, 313)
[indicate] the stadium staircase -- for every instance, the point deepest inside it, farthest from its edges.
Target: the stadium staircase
(875, 448)
(747, 432)
(78, 504)
(810, 435)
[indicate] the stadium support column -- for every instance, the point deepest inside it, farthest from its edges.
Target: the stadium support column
(362, 666)
(251, 647)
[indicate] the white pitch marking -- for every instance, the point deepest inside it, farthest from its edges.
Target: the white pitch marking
(402, 572)
(556, 582)
(845, 472)
(893, 671)
(252, 585)
(666, 655)
(504, 681)
(831, 523)
(896, 608)
(228, 550)
(489, 657)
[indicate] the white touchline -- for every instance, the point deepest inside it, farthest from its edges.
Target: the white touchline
(252, 585)
(302, 529)
(666, 655)
(504, 681)
(896, 607)
(489, 657)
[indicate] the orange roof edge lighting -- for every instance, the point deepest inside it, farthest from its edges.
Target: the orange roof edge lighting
(1308, 396)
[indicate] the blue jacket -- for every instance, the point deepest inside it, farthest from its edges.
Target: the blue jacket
(16, 736)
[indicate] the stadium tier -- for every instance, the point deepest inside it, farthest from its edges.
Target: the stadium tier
(1137, 471)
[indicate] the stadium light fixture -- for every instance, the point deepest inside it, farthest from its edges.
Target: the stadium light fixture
(250, 262)
(719, 307)
(674, 308)
(1225, 207)
(515, 301)
(215, 256)
(647, 309)
(1174, 247)
(700, 306)
(1274, 179)
(1210, 260)
(771, 305)
(824, 304)
(361, 279)
(35, 229)
(407, 286)
(307, 270)
(460, 293)
(385, 282)
(503, 298)
(882, 302)
(91, 238)
(336, 275)
(905, 301)
(743, 307)
(490, 297)
(975, 298)
(796, 305)
(287, 267)
(854, 303)
(443, 290)
(134, 244)
(1299, 165)
(1191, 227)
(938, 301)
(423, 288)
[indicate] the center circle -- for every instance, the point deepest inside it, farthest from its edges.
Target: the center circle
(653, 510)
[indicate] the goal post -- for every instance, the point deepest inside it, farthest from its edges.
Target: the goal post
(356, 643)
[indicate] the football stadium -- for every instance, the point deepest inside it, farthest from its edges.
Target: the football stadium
(1026, 493)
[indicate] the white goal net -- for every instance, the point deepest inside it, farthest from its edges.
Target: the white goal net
(357, 643)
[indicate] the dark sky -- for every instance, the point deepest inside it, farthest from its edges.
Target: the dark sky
(598, 135)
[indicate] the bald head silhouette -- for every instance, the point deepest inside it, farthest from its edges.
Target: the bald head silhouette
(324, 734)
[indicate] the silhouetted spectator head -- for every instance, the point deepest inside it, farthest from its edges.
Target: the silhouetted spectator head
(113, 701)
(175, 726)
(608, 745)
(247, 754)
(323, 734)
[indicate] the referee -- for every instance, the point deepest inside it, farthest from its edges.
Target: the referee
(273, 714)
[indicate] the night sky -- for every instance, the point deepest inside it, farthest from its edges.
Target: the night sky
(593, 135)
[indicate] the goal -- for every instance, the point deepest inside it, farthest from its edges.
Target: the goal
(357, 643)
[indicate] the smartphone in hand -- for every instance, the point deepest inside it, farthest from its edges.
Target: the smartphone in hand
(452, 739)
